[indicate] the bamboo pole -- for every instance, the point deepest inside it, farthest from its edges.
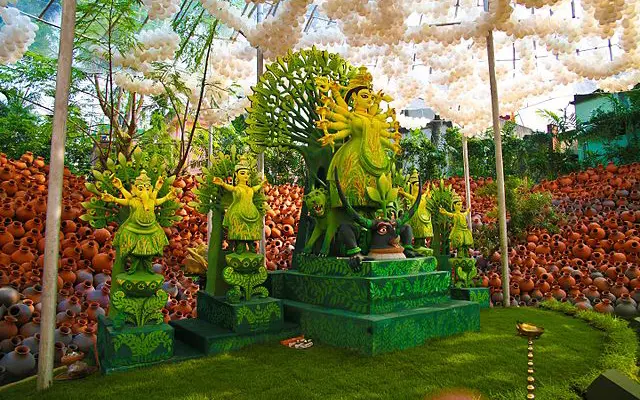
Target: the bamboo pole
(210, 213)
(497, 140)
(54, 197)
(260, 160)
(467, 180)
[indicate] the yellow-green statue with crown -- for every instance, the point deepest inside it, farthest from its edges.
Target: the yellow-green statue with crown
(421, 221)
(136, 291)
(357, 118)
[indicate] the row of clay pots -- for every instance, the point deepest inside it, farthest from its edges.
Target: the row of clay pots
(595, 253)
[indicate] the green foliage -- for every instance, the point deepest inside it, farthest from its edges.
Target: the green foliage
(442, 196)
(526, 209)
(211, 197)
(100, 213)
(465, 272)
(420, 153)
(620, 344)
(22, 130)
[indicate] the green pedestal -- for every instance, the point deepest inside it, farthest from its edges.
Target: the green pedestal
(339, 266)
(256, 315)
(368, 295)
(133, 347)
(375, 334)
(479, 295)
(384, 306)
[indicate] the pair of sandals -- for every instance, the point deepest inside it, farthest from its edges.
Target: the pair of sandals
(301, 344)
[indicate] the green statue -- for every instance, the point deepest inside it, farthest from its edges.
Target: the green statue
(137, 296)
(460, 236)
(140, 236)
(242, 218)
(363, 158)
(421, 221)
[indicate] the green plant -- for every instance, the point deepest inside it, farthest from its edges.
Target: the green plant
(526, 208)
(442, 196)
(420, 153)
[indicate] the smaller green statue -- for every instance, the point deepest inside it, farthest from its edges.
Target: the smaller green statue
(242, 219)
(460, 236)
(421, 221)
(140, 237)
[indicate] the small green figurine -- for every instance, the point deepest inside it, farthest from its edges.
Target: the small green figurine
(140, 236)
(421, 221)
(242, 218)
(460, 236)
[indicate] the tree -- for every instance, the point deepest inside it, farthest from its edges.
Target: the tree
(420, 153)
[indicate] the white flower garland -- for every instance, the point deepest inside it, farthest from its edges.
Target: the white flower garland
(16, 35)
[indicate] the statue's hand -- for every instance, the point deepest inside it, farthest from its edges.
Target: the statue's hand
(335, 86)
(327, 139)
(442, 210)
(396, 148)
(264, 182)
(107, 197)
(172, 194)
(160, 182)
(117, 183)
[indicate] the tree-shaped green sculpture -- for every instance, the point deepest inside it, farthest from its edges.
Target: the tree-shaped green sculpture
(283, 106)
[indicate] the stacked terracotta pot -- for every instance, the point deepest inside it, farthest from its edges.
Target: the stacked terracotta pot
(593, 260)
(281, 224)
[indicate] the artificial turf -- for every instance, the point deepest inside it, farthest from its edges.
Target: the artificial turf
(491, 362)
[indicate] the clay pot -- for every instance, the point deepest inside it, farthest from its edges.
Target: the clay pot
(102, 262)
(67, 316)
(591, 293)
(566, 281)
(64, 335)
(626, 307)
(618, 290)
(9, 296)
(71, 304)
(19, 362)
(102, 235)
(8, 327)
(21, 312)
(99, 296)
(33, 343)
(94, 311)
(8, 345)
(558, 293)
(30, 328)
(604, 307)
(581, 251)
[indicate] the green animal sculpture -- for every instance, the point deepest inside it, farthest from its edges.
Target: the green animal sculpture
(327, 220)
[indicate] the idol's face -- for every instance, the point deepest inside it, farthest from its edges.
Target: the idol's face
(363, 98)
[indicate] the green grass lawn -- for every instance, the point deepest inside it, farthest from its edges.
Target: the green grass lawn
(492, 362)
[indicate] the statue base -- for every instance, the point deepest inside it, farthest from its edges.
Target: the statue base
(381, 306)
(256, 315)
(479, 295)
(223, 326)
(132, 347)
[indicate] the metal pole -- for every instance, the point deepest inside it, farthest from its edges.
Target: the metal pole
(467, 183)
(54, 198)
(210, 213)
(497, 140)
(260, 161)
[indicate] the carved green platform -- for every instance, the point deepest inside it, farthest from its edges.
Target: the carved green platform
(375, 334)
(256, 315)
(480, 295)
(208, 338)
(369, 295)
(132, 347)
(339, 266)
(383, 306)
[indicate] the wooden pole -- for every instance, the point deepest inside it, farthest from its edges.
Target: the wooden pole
(260, 160)
(210, 213)
(54, 197)
(497, 140)
(467, 180)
